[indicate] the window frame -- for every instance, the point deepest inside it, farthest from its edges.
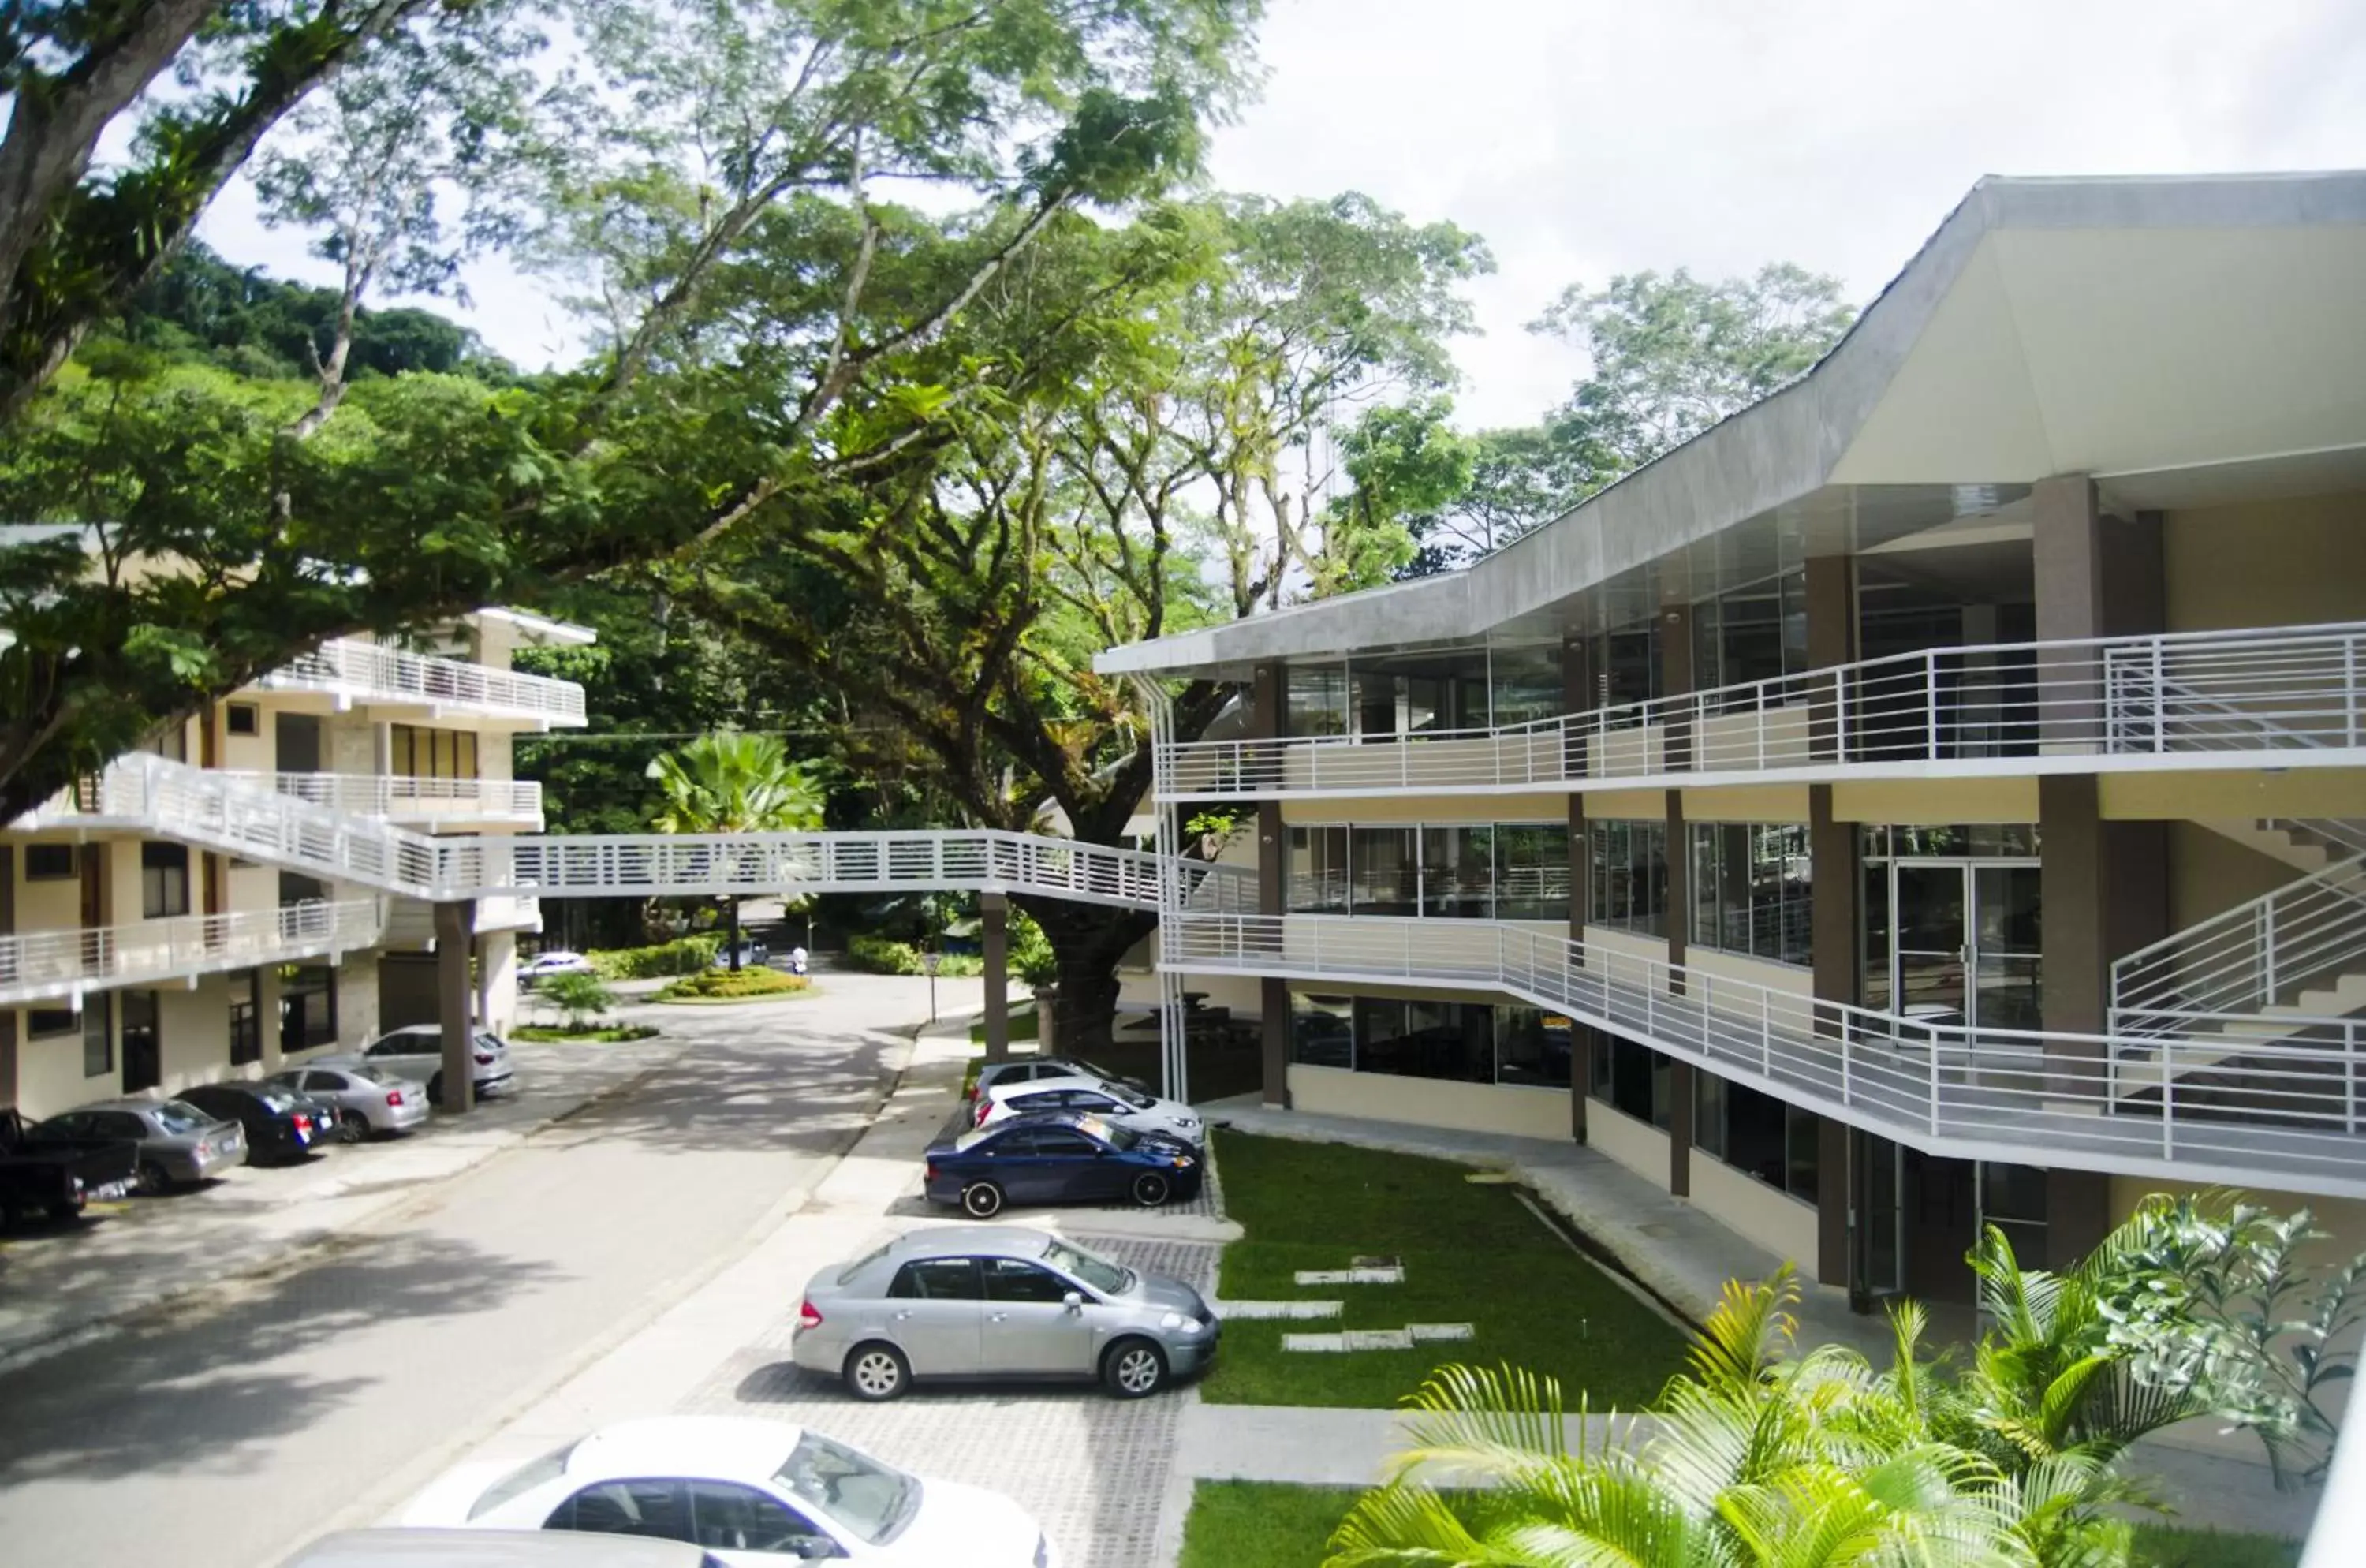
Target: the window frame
(52, 862)
(164, 880)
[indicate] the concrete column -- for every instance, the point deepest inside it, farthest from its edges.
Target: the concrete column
(1269, 720)
(455, 924)
(1678, 882)
(1831, 639)
(2104, 884)
(994, 918)
(1577, 694)
(497, 965)
(1833, 1201)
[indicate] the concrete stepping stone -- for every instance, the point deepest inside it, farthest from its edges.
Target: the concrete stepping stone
(1383, 1274)
(1277, 1309)
(1353, 1339)
(1422, 1332)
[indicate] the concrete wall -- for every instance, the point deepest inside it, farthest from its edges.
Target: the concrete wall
(1517, 1109)
(49, 1075)
(2210, 873)
(1639, 1146)
(2265, 563)
(1748, 1207)
(1789, 978)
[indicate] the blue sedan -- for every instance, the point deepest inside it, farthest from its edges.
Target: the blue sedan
(1059, 1158)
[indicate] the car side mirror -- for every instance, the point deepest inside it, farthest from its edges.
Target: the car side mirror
(1074, 1301)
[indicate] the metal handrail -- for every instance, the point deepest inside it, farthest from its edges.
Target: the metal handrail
(2253, 956)
(351, 667)
(42, 965)
(406, 797)
(2285, 690)
(2290, 1119)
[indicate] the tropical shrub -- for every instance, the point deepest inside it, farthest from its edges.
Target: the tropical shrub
(683, 955)
(582, 998)
(721, 985)
(878, 955)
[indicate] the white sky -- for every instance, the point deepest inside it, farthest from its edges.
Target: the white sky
(1584, 138)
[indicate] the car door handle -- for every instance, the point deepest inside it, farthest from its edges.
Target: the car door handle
(905, 1314)
(997, 1317)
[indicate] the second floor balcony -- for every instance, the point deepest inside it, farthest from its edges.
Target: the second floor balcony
(350, 671)
(2283, 698)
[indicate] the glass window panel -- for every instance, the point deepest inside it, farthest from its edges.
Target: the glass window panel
(97, 1033)
(1318, 871)
(1524, 683)
(1317, 702)
(1709, 1113)
(1427, 1040)
(1600, 1059)
(1383, 877)
(1322, 1031)
(1375, 703)
(1531, 876)
(1532, 1047)
(1458, 872)
(1803, 1152)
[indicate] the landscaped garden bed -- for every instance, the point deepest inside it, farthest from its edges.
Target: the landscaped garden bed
(603, 1034)
(712, 985)
(1471, 1253)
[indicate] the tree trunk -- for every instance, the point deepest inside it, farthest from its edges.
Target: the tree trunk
(731, 922)
(1087, 943)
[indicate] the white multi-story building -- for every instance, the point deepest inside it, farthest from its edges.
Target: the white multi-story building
(141, 950)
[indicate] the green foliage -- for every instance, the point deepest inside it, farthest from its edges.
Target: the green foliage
(878, 955)
(734, 984)
(730, 782)
(607, 1035)
(1030, 952)
(1257, 1524)
(582, 998)
(683, 955)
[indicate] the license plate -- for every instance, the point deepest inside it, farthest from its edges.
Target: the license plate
(109, 1191)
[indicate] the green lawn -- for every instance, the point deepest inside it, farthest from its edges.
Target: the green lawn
(1257, 1524)
(1471, 1253)
(1022, 1026)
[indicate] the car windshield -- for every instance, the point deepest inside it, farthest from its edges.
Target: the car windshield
(534, 1473)
(1099, 1272)
(178, 1116)
(1133, 1097)
(867, 1497)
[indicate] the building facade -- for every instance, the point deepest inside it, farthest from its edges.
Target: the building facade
(1935, 796)
(138, 951)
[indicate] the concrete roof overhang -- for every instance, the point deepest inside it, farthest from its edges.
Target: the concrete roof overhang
(2179, 339)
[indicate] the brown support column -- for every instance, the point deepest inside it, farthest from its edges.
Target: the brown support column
(1268, 718)
(1678, 882)
(994, 921)
(2103, 885)
(8, 1015)
(1836, 852)
(1577, 692)
(455, 926)
(1831, 639)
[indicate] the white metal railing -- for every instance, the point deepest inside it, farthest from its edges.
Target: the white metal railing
(53, 963)
(2183, 695)
(405, 799)
(349, 667)
(2290, 1118)
(2259, 955)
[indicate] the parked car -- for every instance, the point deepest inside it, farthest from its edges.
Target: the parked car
(362, 1098)
(58, 1178)
(416, 1051)
(1026, 1069)
(553, 961)
(279, 1125)
(495, 1549)
(753, 1493)
(1059, 1157)
(996, 1300)
(753, 954)
(179, 1145)
(1096, 1097)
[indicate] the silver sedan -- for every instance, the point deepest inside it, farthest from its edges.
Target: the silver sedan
(367, 1099)
(998, 1302)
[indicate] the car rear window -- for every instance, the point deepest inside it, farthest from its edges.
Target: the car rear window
(865, 1261)
(178, 1116)
(534, 1473)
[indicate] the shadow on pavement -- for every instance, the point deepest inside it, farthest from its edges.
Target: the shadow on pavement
(182, 1387)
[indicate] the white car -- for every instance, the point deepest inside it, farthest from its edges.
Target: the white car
(554, 961)
(751, 1493)
(1094, 1097)
(416, 1051)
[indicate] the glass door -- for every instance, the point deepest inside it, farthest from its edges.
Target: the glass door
(1931, 950)
(1876, 1206)
(2005, 953)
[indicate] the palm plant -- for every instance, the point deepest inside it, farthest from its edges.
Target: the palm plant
(731, 782)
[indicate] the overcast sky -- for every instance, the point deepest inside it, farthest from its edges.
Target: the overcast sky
(1585, 139)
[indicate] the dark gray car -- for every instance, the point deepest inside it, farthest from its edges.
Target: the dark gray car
(998, 1302)
(179, 1145)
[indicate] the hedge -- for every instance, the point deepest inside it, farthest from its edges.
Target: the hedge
(878, 956)
(683, 955)
(717, 984)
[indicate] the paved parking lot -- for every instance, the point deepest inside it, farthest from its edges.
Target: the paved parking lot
(1093, 1469)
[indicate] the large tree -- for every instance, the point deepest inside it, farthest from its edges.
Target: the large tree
(1146, 473)
(752, 287)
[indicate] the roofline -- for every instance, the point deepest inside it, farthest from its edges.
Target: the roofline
(1779, 449)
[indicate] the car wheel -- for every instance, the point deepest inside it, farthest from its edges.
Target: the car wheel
(353, 1125)
(1150, 1189)
(981, 1200)
(151, 1181)
(1135, 1368)
(877, 1373)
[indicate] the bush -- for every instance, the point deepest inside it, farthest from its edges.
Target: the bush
(683, 955)
(878, 956)
(722, 985)
(582, 998)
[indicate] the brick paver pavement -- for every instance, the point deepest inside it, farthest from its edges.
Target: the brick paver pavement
(1093, 1469)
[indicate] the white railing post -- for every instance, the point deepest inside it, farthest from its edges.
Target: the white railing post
(2349, 1078)
(1931, 1072)
(1931, 696)
(2349, 694)
(1766, 1039)
(2168, 1098)
(2159, 700)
